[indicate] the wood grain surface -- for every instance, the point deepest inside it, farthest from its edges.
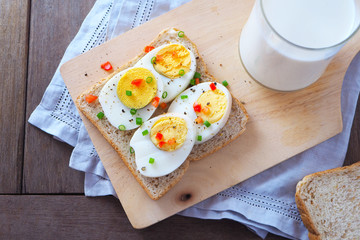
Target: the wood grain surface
(13, 66)
(53, 25)
(52, 217)
(64, 216)
(281, 124)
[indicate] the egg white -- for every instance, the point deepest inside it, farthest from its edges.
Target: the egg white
(119, 114)
(172, 86)
(165, 162)
(185, 106)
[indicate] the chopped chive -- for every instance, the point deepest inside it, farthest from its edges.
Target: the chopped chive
(181, 34)
(164, 95)
(225, 83)
(184, 96)
(153, 60)
(128, 93)
(138, 121)
(100, 115)
(122, 127)
(207, 124)
(199, 138)
(131, 150)
(181, 72)
(151, 160)
(133, 111)
(145, 132)
(192, 82)
(149, 79)
(197, 75)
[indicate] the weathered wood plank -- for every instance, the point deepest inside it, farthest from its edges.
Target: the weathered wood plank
(53, 25)
(353, 153)
(13, 67)
(78, 217)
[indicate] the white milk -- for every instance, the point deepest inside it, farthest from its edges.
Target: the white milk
(307, 26)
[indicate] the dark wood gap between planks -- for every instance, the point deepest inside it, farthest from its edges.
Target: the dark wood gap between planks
(28, 17)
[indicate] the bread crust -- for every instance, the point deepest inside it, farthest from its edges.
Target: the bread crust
(95, 107)
(305, 215)
(314, 233)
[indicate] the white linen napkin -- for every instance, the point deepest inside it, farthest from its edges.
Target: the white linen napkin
(264, 203)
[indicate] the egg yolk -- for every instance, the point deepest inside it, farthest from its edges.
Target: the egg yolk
(213, 104)
(169, 133)
(135, 89)
(172, 60)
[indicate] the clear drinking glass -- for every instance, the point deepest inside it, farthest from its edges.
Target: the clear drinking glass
(277, 58)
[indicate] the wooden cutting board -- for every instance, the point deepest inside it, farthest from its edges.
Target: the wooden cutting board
(281, 124)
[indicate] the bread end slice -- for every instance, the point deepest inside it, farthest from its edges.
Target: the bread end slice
(329, 203)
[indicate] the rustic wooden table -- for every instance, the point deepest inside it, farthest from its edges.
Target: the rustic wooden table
(40, 196)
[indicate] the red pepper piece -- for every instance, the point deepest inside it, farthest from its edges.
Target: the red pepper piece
(199, 120)
(148, 48)
(163, 105)
(197, 81)
(205, 110)
(106, 66)
(212, 86)
(159, 136)
(159, 58)
(137, 82)
(161, 144)
(171, 141)
(155, 102)
(90, 98)
(197, 107)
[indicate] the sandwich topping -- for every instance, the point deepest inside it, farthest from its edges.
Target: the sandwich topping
(163, 143)
(212, 105)
(173, 61)
(135, 90)
(169, 133)
(195, 115)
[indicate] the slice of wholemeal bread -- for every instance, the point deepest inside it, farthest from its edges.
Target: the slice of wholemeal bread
(157, 187)
(329, 203)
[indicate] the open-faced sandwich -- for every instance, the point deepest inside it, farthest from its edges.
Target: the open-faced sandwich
(162, 110)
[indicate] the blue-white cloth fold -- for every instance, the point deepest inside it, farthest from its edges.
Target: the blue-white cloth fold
(264, 203)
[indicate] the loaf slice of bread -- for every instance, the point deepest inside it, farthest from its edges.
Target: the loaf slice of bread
(157, 187)
(329, 203)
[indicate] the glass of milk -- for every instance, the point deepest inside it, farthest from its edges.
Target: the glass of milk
(286, 45)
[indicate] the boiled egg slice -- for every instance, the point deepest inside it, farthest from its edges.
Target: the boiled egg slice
(163, 143)
(208, 105)
(175, 66)
(127, 98)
